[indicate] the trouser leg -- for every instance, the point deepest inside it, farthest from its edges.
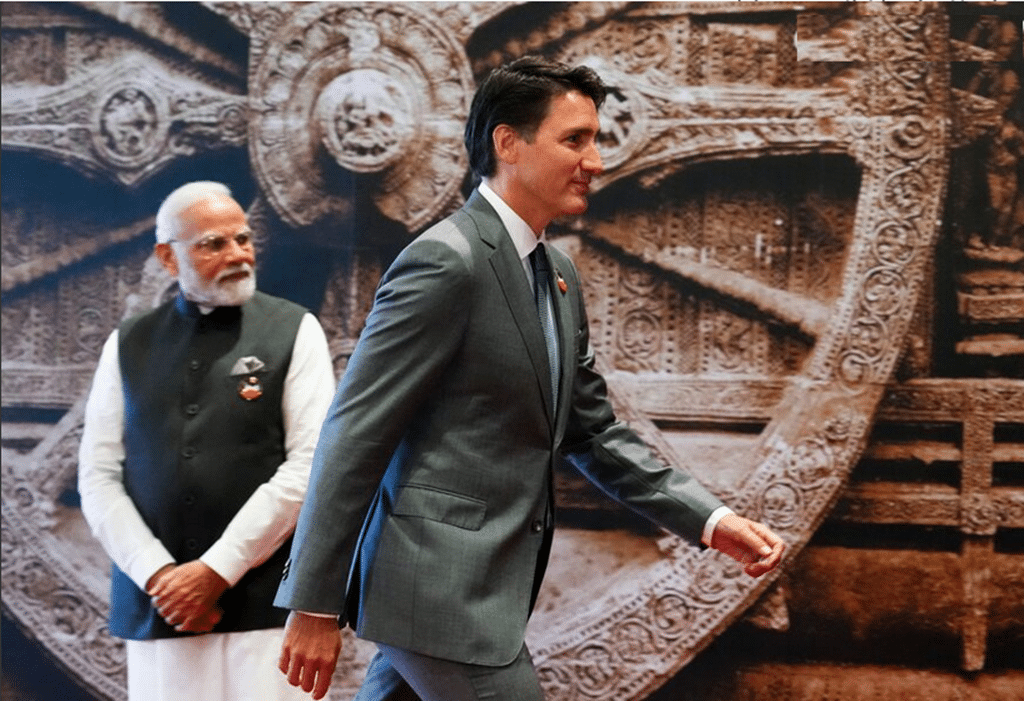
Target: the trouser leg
(441, 680)
(383, 683)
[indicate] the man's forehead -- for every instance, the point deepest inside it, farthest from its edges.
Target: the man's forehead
(571, 99)
(214, 211)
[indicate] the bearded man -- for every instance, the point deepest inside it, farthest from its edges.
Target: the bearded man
(199, 432)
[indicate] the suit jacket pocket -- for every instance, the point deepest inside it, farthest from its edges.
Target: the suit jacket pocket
(437, 505)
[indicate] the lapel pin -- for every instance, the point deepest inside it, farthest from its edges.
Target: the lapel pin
(250, 388)
(561, 281)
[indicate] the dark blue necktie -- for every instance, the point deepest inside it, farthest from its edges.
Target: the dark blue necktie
(545, 312)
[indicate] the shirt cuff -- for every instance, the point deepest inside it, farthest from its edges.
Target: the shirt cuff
(712, 522)
(221, 560)
(147, 563)
(320, 615)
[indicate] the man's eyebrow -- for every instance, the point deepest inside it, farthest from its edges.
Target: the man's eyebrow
(582, 131)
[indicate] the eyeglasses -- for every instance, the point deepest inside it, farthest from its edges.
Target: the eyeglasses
(215, 243)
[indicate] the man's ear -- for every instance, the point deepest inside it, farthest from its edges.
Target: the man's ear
(506, 142)
(165, 254)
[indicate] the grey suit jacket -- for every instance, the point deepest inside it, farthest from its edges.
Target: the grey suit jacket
(428, 517)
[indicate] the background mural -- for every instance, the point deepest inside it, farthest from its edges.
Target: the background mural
(804, 268)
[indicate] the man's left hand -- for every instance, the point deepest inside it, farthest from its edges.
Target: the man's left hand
(748, 542)
(186, 597)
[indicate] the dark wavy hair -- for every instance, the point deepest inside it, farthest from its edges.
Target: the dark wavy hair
(518, 94)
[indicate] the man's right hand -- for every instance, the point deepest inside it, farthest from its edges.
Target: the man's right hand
(310, 652)
(186, 596)
(203, 623)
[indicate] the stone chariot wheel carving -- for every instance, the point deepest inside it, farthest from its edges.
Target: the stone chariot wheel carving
(371, 92)
(332, 89)
(627, 645)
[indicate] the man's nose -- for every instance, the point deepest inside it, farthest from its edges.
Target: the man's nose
(592, 161)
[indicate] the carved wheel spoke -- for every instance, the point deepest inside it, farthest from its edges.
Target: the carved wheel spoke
(802, 312)
(130, 122)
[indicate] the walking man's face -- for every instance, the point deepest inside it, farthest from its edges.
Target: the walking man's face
(551, 172)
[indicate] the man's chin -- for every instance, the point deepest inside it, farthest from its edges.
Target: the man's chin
(239, 292)
(232, 293)
(578, 206)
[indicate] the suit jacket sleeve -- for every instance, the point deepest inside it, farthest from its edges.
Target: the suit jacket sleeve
(411, 334)
(616, 460)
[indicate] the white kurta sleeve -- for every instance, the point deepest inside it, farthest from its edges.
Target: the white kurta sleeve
(109, 511)
(268, 517)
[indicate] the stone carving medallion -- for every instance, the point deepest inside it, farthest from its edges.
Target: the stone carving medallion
(382, 90)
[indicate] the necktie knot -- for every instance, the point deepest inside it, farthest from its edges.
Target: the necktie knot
(539, 262)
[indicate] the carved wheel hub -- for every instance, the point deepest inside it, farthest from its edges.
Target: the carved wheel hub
(366, 120)
(363, 91)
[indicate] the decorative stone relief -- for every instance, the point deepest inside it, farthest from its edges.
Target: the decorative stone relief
(380, 90)
(129, 121)
(728, 306)
(820, 425)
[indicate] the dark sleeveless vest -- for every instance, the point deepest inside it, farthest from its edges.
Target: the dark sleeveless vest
(196, 448)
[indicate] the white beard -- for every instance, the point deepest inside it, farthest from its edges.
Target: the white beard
(217, 293)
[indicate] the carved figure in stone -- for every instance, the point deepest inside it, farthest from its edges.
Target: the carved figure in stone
(129, 122)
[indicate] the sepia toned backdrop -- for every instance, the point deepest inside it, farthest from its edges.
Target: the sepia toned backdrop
(804, 266)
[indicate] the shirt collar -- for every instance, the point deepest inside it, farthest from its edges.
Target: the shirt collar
(191, 310)
(518, 230)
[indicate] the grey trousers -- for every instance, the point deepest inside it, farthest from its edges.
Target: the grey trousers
(399, 675)
(383, 683)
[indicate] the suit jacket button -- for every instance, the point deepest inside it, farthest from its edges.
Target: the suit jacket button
(537, 526)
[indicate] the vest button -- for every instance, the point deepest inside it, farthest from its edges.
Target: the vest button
(192, 409)
(190, 499)
(193, 365)
(537, 526)
(191, 543)
(189, 452)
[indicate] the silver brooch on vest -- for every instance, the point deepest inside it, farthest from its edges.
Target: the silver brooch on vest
(249, 387)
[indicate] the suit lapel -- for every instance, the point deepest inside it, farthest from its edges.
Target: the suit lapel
(508, 269)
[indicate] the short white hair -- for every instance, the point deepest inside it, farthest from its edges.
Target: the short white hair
(168, 217)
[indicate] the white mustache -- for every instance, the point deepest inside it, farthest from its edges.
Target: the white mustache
(233, 270)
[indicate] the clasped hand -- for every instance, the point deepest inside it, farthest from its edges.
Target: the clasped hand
(186, 596)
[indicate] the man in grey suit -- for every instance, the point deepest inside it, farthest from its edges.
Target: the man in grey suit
(429, 516)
